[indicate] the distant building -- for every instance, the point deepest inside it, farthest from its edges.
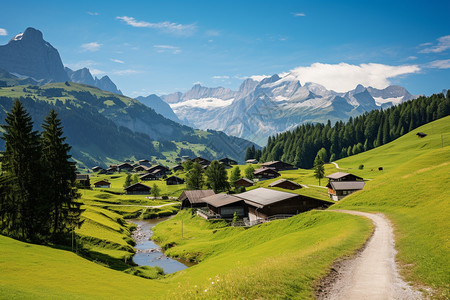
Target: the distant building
(97, 169)
(225, 205)
(228, 161)
(148, 177)
(202, 161)
(102, 184)
(177, 168)
(125, 167)
(244, 182)
(251, 161)
(141, 168)
(138, 189)
(285, 184)
(278, 165)
(194, 198)
(421, 134)
(84, 180)
(266, 173)
(174, 180)
(341, 184)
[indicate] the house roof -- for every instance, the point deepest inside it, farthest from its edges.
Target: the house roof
(195, 196)
(228, 161)
(264, 169)
(126, 165)
(251, 160)
(245, 179)
(102, 182)
(175, 178)
(136, 185)
(280, 181)
(339, 175)
(346, 185)
(220, 200)
(262, 197)
(147, 175)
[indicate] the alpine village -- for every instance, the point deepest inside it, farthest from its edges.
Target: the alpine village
(289, 186)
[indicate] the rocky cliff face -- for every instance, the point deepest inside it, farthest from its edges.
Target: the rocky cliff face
(28, 54)
(84, 76)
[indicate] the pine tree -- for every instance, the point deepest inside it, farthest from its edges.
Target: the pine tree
(248, 154)
(60, 176)
(194, 178)
(135, 179)
(216, 177)
(319, 170)
(127, 181)
(235, 175)
(26, 218)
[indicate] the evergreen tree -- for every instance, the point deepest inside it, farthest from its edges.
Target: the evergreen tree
(319, 170)
(135, 179)
(60, 176)
(155, 190)
(187, 165)
(27, 217)
(235, 175)
(194, 178)
(249, 172)
(127, 181)
(216, 177)
(248, 154)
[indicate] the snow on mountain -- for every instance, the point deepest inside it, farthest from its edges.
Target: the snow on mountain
(275, 104)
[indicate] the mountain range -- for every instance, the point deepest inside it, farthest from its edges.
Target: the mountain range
(276, 104)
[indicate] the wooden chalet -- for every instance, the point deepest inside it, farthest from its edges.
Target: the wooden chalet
(102, 184)
(177, 168)
(174, 180)
(228, 161)
(421, 134)
(158, 167)
(111, 170)
(141, 168)
(202, 161)
(144, 162)
(138, 189)
(285, 184)
(125, 167)
(226, 205)
(251, 161)
(341, 184)
(83, 180)
(264, 203)
(97, 169)
(148, 177)
(159, 173)
(278, 165)
(266, 173)
(244, 182)
(193, 198)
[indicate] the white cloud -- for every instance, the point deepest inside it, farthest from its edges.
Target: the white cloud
(442, 45)
(126, 72)
(221, 77)
(117, 61)
(411, 57)
(92, 13)
(166, 26)
(299, 14)
(92, 47)
(439, 64)
(96, 72)
(344, 77)
(167, 48)
(3, 31)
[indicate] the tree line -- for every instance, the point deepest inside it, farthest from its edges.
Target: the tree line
(37, 182)
(378, 127)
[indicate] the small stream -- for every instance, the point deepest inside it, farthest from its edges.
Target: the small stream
(150, 254)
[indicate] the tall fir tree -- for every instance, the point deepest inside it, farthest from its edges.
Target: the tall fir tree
(235, 175)
(194, 178)
(319, 170)
(27, 218)
(217, 177)
(60, 176)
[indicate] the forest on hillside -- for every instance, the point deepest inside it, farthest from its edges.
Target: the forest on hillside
(378, 127)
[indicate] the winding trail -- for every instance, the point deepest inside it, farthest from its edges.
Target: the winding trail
(373, 273)
(146, 206)
(337, 166)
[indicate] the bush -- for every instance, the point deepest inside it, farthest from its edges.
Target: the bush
(361, 167)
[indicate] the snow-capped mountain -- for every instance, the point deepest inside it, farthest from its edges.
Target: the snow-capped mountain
(276, 104)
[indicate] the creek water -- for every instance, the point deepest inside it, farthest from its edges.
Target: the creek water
(148, 253)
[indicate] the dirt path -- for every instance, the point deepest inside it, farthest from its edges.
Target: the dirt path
(373, 273)
(337, 166)
(146, 206)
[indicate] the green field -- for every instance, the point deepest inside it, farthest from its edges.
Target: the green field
(280, 259)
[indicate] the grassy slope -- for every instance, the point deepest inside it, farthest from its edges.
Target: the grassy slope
(414, 195)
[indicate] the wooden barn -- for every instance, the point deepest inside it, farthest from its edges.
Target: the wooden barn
(266, 173)
(264, 203)
(341, 184)
(193, 198)
(341, 176)
(225, 205)
(228, 161)
(138, 189)
(285, 184)
(202, 161)
(244, 182)
(102, 184)
(174, 180)
(278, 165)
(97, 169)
(177, 168)
(251, 161)
(140, 168)
(125, 167)
(148, 177)
(84, 180)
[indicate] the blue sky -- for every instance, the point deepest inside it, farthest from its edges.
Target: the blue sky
(166, 46)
